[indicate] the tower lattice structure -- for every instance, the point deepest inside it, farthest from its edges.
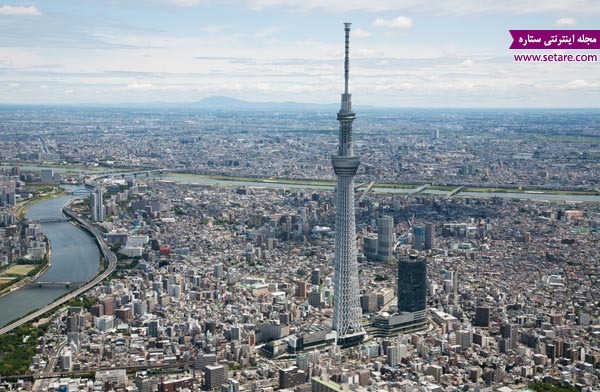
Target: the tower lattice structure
(347, 313)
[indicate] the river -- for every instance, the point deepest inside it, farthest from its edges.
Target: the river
(75, 258)
(187, 179)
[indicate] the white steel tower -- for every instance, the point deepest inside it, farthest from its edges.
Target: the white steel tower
(347, 312)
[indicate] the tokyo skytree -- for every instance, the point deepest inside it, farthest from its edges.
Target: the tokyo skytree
(347, 313)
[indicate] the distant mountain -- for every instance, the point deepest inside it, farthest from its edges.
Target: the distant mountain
(221, 102)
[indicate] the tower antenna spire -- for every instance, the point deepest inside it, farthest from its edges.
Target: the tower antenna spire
(347, 57)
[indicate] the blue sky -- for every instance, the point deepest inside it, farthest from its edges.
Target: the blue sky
(410, 53)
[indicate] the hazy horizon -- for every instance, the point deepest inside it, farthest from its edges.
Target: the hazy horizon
(403, 54)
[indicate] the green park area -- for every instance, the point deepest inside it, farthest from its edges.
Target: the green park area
(20, 269)
(18, 347)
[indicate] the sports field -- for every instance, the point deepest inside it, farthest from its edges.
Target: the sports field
(22, 269)
(6, 279)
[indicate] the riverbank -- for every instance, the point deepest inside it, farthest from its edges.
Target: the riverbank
(40, 268)
(31, 276)
(75, 258)
(106, 253)
(378, 187)
(21, 208)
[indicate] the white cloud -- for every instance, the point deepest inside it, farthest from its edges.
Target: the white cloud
(14, 85)
(140, 86)
(360, 33)
(366, 53)
(566, 22)
(580, 84)
(448, 7)
(401, 22)
(468, 63)
(186, 3)
(10, 10)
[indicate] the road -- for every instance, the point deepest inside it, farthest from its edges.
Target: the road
(54, 359)
(106, 252)
(128, 368)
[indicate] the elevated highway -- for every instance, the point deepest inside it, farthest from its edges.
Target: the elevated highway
(106, 252)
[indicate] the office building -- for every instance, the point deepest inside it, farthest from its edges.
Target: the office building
(214, 376)
(429, 236)
(412, 287)
(482, 316)
(418, 238)
(97, 209)
(385, 238)
(510, 332)
(315, 277)
(381, 246)
(301, 289)
(47, 175)
(412, 296)
(154, 328)
(291, 377)
(370, 247)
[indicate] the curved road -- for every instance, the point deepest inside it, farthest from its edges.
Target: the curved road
(106, 252)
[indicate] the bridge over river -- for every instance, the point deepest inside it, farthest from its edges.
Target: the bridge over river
(38, 283)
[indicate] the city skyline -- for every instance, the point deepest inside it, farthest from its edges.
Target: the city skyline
(453, 54)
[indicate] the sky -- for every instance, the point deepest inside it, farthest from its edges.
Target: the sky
(403, 53)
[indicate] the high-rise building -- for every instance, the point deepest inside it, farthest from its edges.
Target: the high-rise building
(315, 277)
(381, 247)
(482, 316)
(154, 328)
(47, 175)
(412, 287)
(510, 332)
(347, 312)
(66, 359)
(418, 238)
(291, 377)
(392, 354)
(96, 206)
(370, 247)
(301, 289)
(315, 297)
(214, 376)
(464, 339)
(385, 238)
(429, 236)
(236, 333)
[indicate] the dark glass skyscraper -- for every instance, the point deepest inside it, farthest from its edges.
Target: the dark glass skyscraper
(412, 287)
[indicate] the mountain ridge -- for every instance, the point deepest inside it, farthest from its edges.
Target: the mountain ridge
(225, 102)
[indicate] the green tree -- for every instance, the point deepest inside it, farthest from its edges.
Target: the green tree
(551, 387)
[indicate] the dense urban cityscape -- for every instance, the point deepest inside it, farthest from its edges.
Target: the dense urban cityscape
(233, 284)
(253, 250)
